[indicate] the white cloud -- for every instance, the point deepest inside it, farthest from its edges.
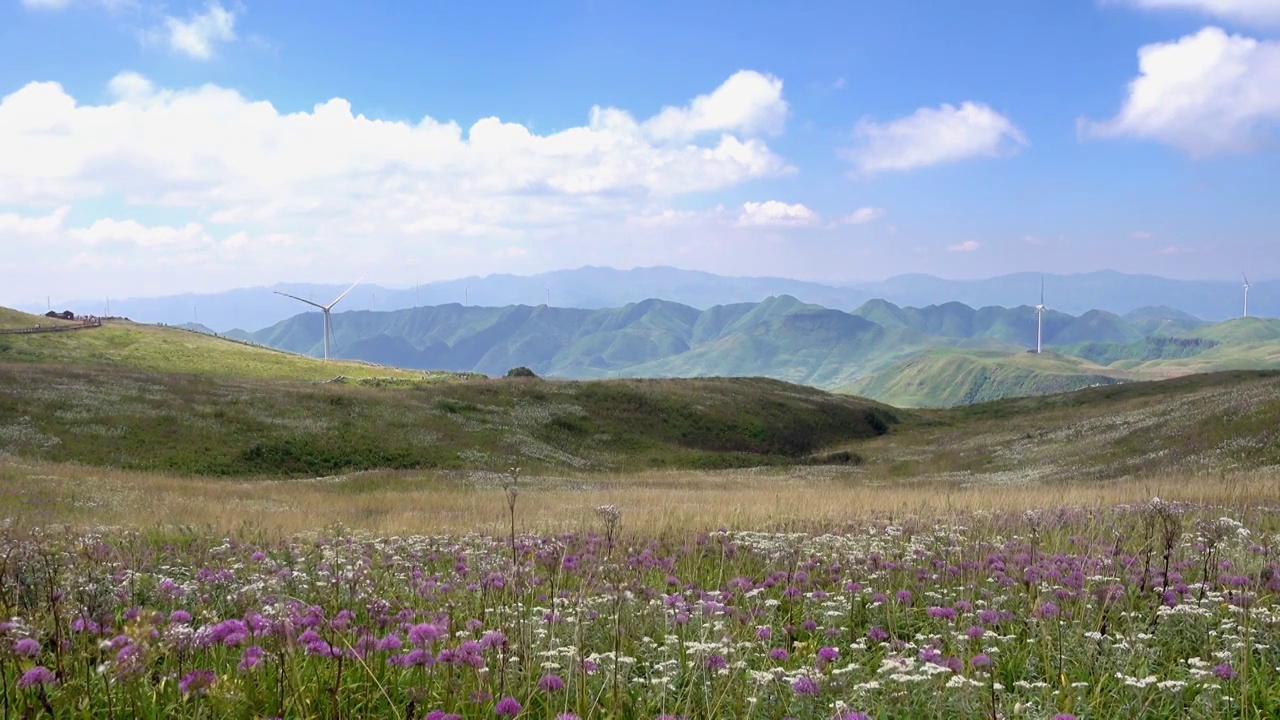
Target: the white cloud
(1175, 250)
(774, 213)
(107, 231)
(1204, 93)
(933, 135)
(748, 102)
(966, 246)
(25, 226)
(45, 4)
(230, 175)
(1142, 235)
(863, 215)
(1254, 12)
(197, 35)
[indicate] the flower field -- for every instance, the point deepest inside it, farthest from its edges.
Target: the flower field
(1159, 610)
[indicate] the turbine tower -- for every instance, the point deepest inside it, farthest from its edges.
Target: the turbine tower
(1040, 316)
(1246, 296)
(328, 322)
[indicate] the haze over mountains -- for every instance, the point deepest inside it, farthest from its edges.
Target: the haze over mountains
(252, 309)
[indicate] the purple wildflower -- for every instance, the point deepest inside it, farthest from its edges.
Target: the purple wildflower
(981, 660)
(26, 647)
(717, 662)
(251, 658)
(37, 676)
(507, 707)
(1224, 671)
(828, 654)
(944, 613)
(805, 686)
(550, 683)
(197, 682)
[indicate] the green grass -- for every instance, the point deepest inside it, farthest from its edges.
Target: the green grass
(945, 377)
(1215, 424)
(123, 344)
(203, 425)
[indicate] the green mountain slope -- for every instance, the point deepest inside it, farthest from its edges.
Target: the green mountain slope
(786, 339)
(948, 377)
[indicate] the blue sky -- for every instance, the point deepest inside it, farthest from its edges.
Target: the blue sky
(148, 148)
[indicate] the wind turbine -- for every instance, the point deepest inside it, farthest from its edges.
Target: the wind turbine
(1246, 296)
(1040, 309)
(328, 322)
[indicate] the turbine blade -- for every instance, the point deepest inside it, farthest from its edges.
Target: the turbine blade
(295, 297)
(1041, 289)
(1246, 280)
(348, 292)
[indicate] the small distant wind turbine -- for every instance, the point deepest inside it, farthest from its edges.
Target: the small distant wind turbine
(1246, 296)
(1040, 309)
(466, 294)
(328, 322)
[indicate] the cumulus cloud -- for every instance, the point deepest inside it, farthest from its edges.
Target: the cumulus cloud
(26, 226)
(863, 215)
(930, 136)
(966, 246)
(1253, 12)
(774, 213)
(1205, 93)
(198, 34)
(230, 173)
(748, 102)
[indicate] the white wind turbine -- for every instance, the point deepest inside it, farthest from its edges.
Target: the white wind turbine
(1040, 309)
(328, 322)
(1246, 296)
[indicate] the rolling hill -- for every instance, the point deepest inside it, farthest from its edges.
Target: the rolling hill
(166, 400)
(948, 377)
(128, 345)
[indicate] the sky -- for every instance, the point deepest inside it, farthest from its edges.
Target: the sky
(149, 148)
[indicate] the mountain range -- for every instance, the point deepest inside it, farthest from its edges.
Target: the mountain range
(252, 309)
(935, 355)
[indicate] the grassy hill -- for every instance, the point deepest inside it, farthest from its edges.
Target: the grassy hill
(948, 377)
(207, 425)
(124, 344)
(1214, 423)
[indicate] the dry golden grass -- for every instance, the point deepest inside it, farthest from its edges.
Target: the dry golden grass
(652, 503)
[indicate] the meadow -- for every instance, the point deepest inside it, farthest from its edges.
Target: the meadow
(719, 548)
(530, 600)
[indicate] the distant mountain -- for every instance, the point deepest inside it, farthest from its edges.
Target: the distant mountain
(935, 355)
(1108, 290)
(1184, 301)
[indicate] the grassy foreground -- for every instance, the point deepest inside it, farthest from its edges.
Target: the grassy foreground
(1146, 610)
